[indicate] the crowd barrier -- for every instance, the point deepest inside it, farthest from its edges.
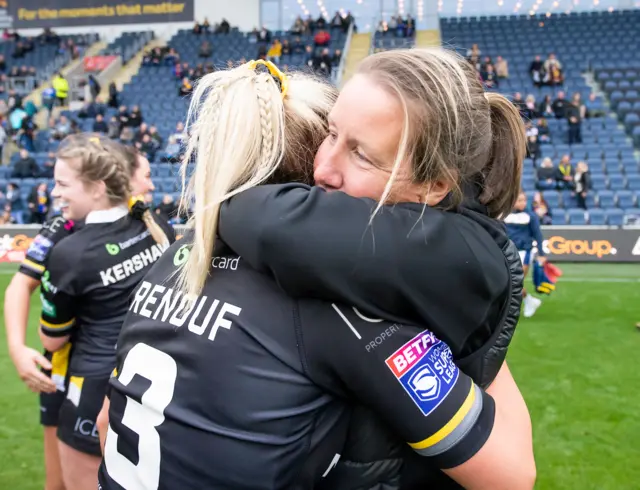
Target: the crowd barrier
(562, 243)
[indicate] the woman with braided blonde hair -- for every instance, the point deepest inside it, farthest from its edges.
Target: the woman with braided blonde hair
(224, 381)
(89, 277)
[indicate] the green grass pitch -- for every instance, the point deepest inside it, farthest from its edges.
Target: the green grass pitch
(576, 363)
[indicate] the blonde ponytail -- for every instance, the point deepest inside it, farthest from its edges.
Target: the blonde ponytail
(236, 136)
(141, 211)
(235, 128)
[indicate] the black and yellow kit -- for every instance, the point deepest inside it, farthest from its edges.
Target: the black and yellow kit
(86, 292)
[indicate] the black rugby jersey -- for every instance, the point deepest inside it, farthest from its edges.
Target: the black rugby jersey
(88, 283)
(52, 231)
(247, 388)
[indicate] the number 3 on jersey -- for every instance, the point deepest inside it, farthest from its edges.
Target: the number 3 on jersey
(143, 418)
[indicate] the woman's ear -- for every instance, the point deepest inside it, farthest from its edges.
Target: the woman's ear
(98, 190)
(435, 193)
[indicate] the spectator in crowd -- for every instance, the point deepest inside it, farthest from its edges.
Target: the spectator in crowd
(205, 50)
(99, 125)
(224, 27)
(62, 128)
(185, 88)
(171, 57)
(575, 122)
(94, 87)
(546, 175)
(594, 107)
(167, 208)
(38, 203)
(502, 67)
(135, 117)
(19, 51)
(3, 140)
(325, 64)
(474, 52)
(3, 63)
(560, 106)
(582, 180)
(545, 108)
(205, 26)
(576, 100)
(147, 147)
(179, 132)
(27, 133)
(530, 111)
(490, 78)
(533, 146)
(142, 130)
(48, 166)
(536, 70)
(123, 116)
(275, 51)
(553, 71)
(565, 174)
(26, 167)
(337, 55)
(541, 208)
(156, 138)
(61, 86)
(173, 150)
(114, 128)
(298, 26)
(519, 103)
(113, 95)
(286, 48)
(322, 38)
(127, 135)
(264, 35)
(337, 21)
(49, 37)
(544, 135)
(14, 203)
(5, 217)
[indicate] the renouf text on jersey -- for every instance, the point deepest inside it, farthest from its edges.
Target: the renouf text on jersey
(126, 268)
(167, 305)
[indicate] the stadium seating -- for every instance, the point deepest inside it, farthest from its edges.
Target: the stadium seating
(383, 41)
(128, 44)
(47, 58)
(603, 41)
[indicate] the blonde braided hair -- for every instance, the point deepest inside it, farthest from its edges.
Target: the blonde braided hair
(236, 135)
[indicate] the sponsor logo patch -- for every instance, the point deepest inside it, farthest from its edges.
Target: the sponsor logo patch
(48, 308)
(425, 369)
(39, 248)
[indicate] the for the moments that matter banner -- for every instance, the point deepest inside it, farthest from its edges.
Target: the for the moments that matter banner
(63, 13)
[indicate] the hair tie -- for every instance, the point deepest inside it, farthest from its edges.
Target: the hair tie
(275, 72)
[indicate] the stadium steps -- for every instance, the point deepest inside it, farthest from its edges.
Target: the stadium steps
(128, 71)
(94, 49)
(359, 49)
(428, 39)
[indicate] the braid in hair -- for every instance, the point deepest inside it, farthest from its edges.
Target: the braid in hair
(265, 101)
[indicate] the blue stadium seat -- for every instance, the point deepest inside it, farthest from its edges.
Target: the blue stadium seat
(606, 199)
(558, 217)
(577, 217)
(615, 217)
(597, 217)
(625, 199)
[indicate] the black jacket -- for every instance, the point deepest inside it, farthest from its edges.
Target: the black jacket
(445, 252)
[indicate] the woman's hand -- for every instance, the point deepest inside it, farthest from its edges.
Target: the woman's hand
(28, 362)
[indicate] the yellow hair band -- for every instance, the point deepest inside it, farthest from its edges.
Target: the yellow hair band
(134, 199)
(273, 69)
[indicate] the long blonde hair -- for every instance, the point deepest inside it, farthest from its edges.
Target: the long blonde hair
(244, 126)
(453, 130)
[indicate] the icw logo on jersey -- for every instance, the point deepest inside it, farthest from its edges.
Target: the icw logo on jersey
(112, 249)
(126, 268)
(425, 369)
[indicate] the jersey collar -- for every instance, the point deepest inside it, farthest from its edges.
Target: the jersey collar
(107, 215)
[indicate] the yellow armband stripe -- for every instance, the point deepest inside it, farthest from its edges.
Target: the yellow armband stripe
(32, 265)
(58, 326)
(450, 426)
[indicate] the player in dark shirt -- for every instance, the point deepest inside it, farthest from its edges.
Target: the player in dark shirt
(87, 283)
(393, 252)
(50, 383)
(224, 360)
